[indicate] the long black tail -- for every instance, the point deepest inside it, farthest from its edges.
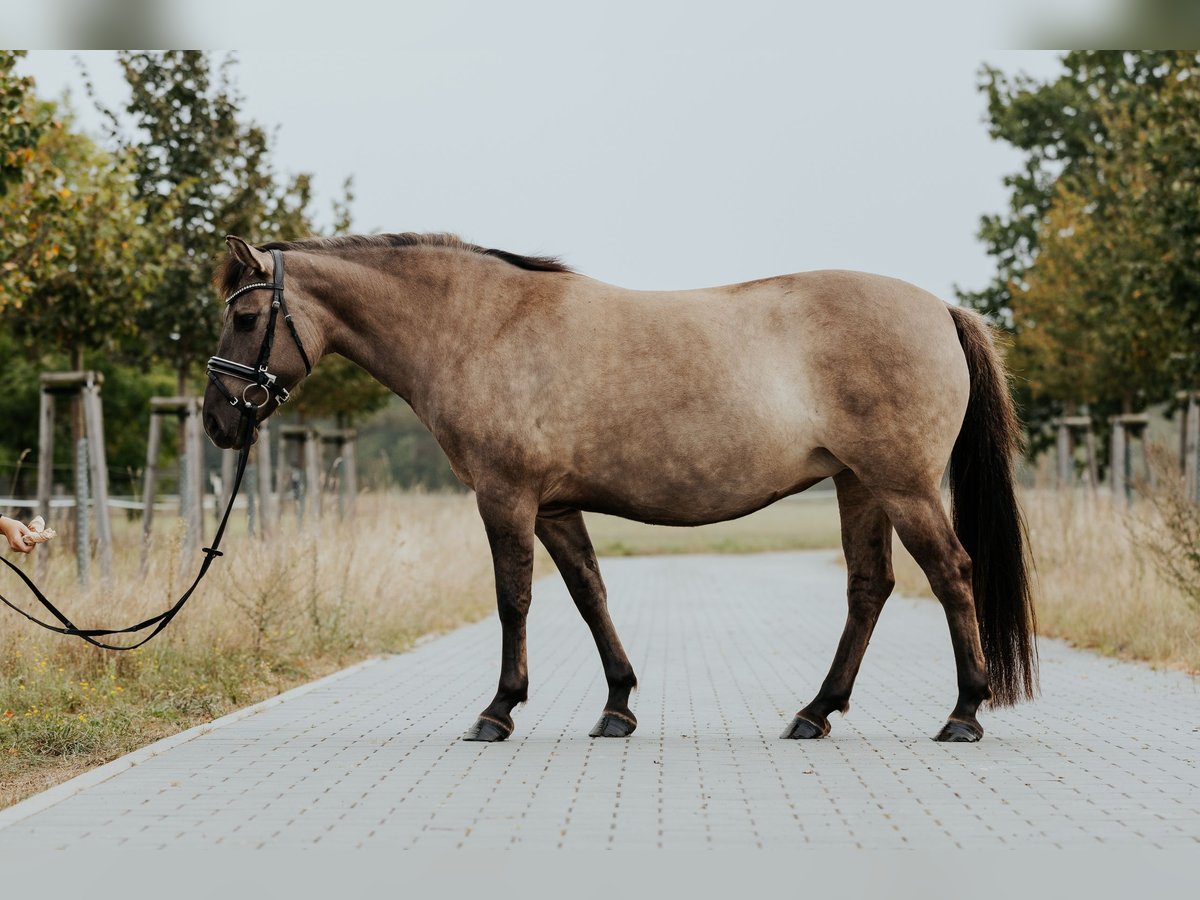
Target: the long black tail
(988, 520)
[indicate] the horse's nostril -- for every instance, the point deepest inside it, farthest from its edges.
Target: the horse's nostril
(211, 425)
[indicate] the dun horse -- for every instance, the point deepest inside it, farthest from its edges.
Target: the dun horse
(552, 393)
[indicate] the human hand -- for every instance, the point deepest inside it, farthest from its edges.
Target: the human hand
(15, 532)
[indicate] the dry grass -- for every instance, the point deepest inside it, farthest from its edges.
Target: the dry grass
(271, 615)
(1095, 586)
(803, 522)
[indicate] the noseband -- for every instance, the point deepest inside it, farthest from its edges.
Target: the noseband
(259, 375)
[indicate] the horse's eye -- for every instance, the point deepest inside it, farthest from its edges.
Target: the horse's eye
(245, 321)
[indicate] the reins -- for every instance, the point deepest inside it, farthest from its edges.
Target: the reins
(256, 376)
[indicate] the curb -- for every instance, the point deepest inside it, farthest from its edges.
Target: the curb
(51, 796)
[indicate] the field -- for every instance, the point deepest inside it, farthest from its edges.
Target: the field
(314, 598)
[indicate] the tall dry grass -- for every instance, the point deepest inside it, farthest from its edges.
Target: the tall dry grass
(1097, 585)
(271, 614)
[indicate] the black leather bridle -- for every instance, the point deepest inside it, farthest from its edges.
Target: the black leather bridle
(258, 375)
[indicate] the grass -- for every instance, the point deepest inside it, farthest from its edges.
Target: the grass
(804, 522)
(1095, 586)
(272, 614)
(317, 597)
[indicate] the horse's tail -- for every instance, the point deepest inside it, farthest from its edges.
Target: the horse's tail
(988, 521)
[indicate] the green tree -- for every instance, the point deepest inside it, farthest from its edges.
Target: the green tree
(1096, 257)
(19, 130)
(194, 156)
(83, 254)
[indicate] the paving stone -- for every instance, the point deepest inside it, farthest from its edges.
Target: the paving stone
(726, 649)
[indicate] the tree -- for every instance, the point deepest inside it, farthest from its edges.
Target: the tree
(20, 123)
(1096, 258)
(83, 255)
(192, 155)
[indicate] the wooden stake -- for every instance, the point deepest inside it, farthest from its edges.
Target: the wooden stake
(94, 421)
(262, 451)
(150, 483)
(45, 482)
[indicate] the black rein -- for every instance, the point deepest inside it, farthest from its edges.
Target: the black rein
(253, 376)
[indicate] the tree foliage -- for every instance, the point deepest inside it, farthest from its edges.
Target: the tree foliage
(195, 159)
(1097, 272)
(106, 249)
(19, 130)
(82, 254)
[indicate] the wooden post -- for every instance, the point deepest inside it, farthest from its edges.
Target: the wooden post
(1189, 443)
(98, 457)
(342, 440)
(197, 450)
(1063, 446)
(281, 466)
(90, 460)
(191, 497)
(350, 474)
(83, 548)
(1116, 463)
(1068, 429)
(266, 518)
(191, 468)
(1093, 464)
(312, 475)
(1192, 444)
(1126, 428)
(45, 482)
(150, 482)
(228, 467)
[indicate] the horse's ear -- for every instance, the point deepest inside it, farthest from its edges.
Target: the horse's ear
(256, 259)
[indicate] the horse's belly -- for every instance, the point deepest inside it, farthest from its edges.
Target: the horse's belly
(694, 489)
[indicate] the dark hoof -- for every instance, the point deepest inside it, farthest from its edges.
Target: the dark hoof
(802, 729)
(959, 732)
(613, 725)
(486, 730)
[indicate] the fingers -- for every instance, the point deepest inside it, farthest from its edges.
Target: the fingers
(15, 532)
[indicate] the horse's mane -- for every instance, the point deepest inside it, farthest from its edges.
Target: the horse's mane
(231, 269)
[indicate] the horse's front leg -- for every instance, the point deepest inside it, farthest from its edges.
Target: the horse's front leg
(509, 516)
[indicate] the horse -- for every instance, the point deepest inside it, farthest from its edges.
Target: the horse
(553, 394)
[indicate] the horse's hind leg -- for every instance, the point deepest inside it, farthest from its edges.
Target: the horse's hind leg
(565, 537)
(867, 544)
(925, 528)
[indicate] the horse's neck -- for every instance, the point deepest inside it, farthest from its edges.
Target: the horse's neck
(407, 322)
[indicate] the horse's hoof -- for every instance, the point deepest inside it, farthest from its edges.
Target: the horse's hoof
(486, 729)
(802, 729)
(613, 725)
(956, 731)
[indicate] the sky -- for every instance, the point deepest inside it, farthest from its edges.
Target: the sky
(646, 165)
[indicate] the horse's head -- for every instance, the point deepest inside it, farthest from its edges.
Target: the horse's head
(261, 356)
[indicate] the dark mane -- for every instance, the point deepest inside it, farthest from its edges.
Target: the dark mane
(231, 270)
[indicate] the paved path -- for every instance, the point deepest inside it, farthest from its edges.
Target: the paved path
(726, 648)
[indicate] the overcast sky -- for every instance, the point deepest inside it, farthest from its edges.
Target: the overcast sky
(643, 167)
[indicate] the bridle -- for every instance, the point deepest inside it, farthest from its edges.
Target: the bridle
(259, 376)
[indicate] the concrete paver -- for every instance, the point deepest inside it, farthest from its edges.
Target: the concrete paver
(727, 649)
